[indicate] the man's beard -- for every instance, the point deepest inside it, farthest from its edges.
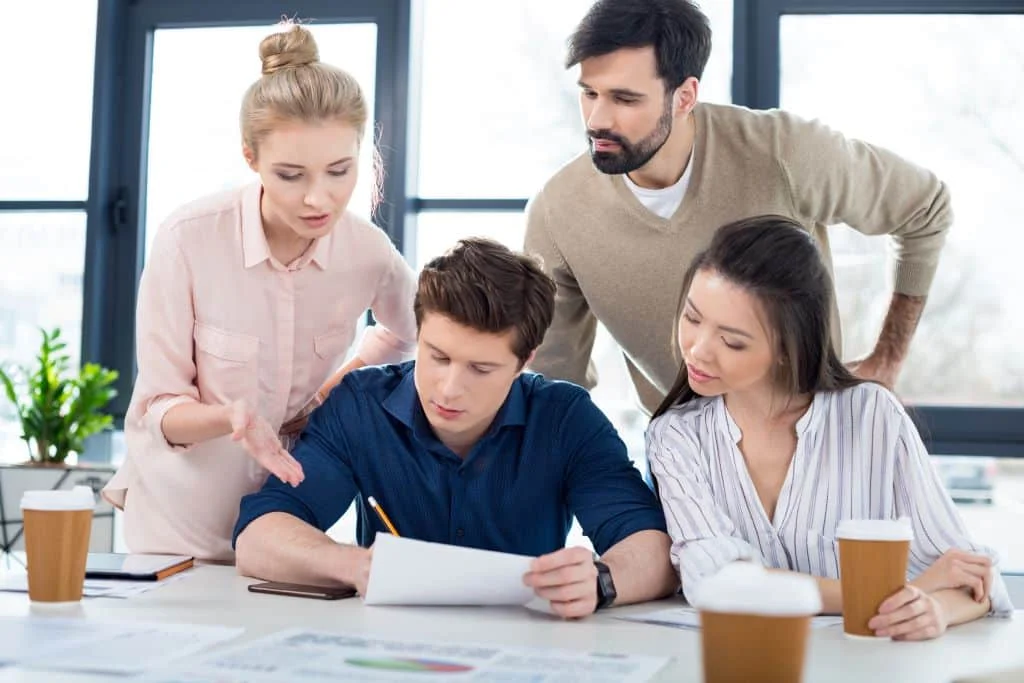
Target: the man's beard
(630, 156)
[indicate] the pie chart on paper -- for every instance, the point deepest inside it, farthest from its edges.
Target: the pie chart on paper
(409, 665)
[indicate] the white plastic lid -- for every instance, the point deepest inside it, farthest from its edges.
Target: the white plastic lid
(876, 530)
(747, 588)
(78, 498)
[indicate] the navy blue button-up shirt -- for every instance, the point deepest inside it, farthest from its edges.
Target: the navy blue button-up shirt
(549, 454)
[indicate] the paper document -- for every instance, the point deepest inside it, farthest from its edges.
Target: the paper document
(408, 572)
(130, 647)
(689, 618)
(301, 656)
(94, 588)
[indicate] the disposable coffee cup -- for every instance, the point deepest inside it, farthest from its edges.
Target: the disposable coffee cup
(873, 557)
(57, 526)
(755, 624)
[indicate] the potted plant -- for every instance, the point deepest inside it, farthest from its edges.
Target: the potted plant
(58, 412)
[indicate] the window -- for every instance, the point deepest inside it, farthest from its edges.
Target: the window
(499, 112)
(437, 231)
(8, 327)
(46, 120)
(40, 286)
(195, 144)
(45, 135)
(906, 93)
(989, 493)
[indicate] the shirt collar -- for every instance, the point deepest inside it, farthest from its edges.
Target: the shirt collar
(320, 254)
(807, 421)
(404, 404)
(255, 249)
(812, 417)
(254, 243)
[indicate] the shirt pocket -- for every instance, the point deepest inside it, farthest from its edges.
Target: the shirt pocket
(227, 365)
(331, 346)
(823, 556)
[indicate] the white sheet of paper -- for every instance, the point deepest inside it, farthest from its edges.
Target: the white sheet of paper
(302, 656)
(101, 646)
(25, 638)
(409, 572)
(689, 618)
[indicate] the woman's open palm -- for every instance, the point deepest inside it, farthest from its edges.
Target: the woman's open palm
(261, 442)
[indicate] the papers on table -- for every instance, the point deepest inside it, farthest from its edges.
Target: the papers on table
(65, 644)
(689, 618)
(408, 572)
(94, 588)
(304, 656)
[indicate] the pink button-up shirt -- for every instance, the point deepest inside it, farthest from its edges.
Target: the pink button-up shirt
(220, 319)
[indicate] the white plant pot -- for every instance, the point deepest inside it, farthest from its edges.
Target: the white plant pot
(98, 448)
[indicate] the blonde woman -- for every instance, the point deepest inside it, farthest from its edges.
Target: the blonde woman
(248, 304)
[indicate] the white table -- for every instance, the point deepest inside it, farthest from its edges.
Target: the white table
(216, 595)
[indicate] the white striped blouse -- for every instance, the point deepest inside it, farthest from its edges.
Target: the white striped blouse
(858, 456)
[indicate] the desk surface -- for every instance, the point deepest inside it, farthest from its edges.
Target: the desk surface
(216, 595)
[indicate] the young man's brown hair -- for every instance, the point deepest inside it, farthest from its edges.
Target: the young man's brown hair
(484, 285)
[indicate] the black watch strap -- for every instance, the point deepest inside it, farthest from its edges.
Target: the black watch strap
(605, 585)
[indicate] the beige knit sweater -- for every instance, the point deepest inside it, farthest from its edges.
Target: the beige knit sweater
(617, 262)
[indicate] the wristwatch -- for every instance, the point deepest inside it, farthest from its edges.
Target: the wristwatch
(605, 586)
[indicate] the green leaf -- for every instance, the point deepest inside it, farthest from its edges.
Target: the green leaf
(9, 388)
(59, 409)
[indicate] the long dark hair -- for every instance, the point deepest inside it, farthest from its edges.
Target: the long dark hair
(777, 262)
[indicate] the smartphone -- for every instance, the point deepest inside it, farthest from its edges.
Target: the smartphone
(302, 591)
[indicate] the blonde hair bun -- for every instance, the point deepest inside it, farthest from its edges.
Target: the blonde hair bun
(292, 47)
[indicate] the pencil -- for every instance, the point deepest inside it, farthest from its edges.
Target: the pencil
(383, 516)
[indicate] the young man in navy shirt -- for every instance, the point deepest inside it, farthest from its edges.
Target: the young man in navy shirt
(461, 447)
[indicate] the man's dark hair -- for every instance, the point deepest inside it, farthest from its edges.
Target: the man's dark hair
(677, 30)
(484, 285)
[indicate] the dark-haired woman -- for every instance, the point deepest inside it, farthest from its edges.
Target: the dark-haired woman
(766, 442)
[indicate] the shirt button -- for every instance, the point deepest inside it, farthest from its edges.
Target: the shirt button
(459, 533)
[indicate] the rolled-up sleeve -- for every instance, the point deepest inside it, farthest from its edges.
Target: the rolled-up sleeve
(938, 526)
(329, 484)
(605, 491)
(165, 321)
(704, 539)
(393, 338)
